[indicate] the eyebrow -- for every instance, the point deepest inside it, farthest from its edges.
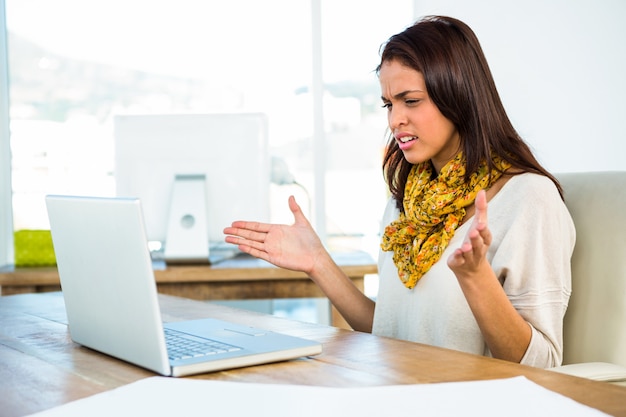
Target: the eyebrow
(402, 94)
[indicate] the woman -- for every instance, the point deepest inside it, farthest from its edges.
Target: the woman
(449, 276)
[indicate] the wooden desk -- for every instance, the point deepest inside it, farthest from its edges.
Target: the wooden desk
(40, 367)
(241, 278)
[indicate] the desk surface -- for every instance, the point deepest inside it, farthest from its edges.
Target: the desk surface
(40, 367)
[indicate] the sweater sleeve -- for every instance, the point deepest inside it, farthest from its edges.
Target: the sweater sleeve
(532, 261)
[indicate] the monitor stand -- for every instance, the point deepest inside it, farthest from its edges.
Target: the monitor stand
(187, 238)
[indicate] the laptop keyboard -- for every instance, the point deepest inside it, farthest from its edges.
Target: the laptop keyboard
(184, 346)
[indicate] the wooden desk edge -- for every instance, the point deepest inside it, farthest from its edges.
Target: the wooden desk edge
(49, 275)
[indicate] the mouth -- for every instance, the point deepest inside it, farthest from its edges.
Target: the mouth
(406, 139)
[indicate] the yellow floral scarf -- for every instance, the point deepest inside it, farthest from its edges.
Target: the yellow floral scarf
(433, 209)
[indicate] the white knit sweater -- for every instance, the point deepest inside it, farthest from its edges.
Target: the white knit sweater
(533, 240)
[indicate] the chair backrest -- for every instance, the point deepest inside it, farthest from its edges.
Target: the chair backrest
(595, 322)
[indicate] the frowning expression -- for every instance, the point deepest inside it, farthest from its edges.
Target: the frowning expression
(421, 131)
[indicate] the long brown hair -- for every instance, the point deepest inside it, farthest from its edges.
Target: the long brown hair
(458, 80)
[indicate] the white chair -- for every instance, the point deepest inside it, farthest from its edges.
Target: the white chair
(595, 321)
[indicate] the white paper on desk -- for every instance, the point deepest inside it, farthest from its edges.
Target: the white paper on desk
(162, 396)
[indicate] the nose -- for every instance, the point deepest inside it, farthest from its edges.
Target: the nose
(396, 118)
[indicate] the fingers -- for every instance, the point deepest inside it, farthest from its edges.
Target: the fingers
(474, 247)
(247, 235)
(252, 248)
(253, 244)
(466, 255)
(477, 239)
(298, 215)
(457, 259)
(293, 206)
(480, 205)
(252, 226)
(480, 234)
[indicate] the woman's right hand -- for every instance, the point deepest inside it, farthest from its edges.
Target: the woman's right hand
(296, 247)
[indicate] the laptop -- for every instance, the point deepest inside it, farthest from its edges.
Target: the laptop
(111, 298)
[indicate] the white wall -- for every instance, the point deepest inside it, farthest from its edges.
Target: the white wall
(560, 67)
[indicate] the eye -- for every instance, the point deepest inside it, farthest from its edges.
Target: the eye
(386, 105)
(411, 101)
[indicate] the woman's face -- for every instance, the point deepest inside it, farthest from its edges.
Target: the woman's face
(421, 131)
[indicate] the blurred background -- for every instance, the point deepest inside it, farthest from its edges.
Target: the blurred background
(69, 66)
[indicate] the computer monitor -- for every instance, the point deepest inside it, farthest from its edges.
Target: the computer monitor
(194, 174)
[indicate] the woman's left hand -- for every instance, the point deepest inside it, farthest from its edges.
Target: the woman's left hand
(506, 332)
(470, 258)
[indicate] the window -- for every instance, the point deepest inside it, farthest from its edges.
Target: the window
(6, 218)
(73, 65)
